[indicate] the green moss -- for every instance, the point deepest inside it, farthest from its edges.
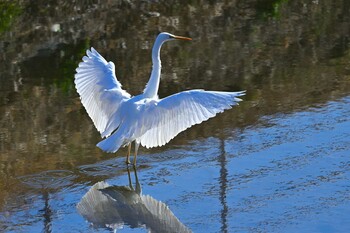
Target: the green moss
(9, 11)
(269, 8)
(68, 63)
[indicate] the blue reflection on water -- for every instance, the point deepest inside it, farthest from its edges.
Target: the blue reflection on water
(290, 174)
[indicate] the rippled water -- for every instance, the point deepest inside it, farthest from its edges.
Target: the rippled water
(279, 162)
(290, 174)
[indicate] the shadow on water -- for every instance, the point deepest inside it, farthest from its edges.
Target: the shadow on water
(45, 183)
(115, 206)
(47, 212)
(223, 185)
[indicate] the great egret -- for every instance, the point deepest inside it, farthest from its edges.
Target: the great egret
(144, 119)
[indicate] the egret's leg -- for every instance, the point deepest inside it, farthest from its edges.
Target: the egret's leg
(138, 186)
(128, 156)
(130, 183)
(136, 149)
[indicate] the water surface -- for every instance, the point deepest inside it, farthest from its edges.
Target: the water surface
(278, 162)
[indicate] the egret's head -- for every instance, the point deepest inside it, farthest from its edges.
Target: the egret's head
(161, 38)
(165, 36)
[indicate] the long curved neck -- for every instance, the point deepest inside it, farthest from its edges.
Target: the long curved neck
(151, 90)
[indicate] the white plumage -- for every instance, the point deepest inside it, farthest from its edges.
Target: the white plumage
(145, 118)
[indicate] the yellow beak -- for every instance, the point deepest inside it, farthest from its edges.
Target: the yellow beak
(182, 38)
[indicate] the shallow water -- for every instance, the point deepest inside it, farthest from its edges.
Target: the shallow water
(279, 162)
(291, 175)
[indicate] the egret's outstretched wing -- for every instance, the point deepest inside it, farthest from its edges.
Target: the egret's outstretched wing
(100, 91)
(166, 118)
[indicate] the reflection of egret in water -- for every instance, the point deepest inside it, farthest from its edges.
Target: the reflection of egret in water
(115, 206)
(46, 182)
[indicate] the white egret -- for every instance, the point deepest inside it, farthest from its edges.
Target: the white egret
(144, 119)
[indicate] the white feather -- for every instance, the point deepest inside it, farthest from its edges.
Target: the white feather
(145, 119)
(100, 91)
(164, 119)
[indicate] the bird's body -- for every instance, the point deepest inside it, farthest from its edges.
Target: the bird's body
(144, 118)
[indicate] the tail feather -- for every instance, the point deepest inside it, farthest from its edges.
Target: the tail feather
(112, 143)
